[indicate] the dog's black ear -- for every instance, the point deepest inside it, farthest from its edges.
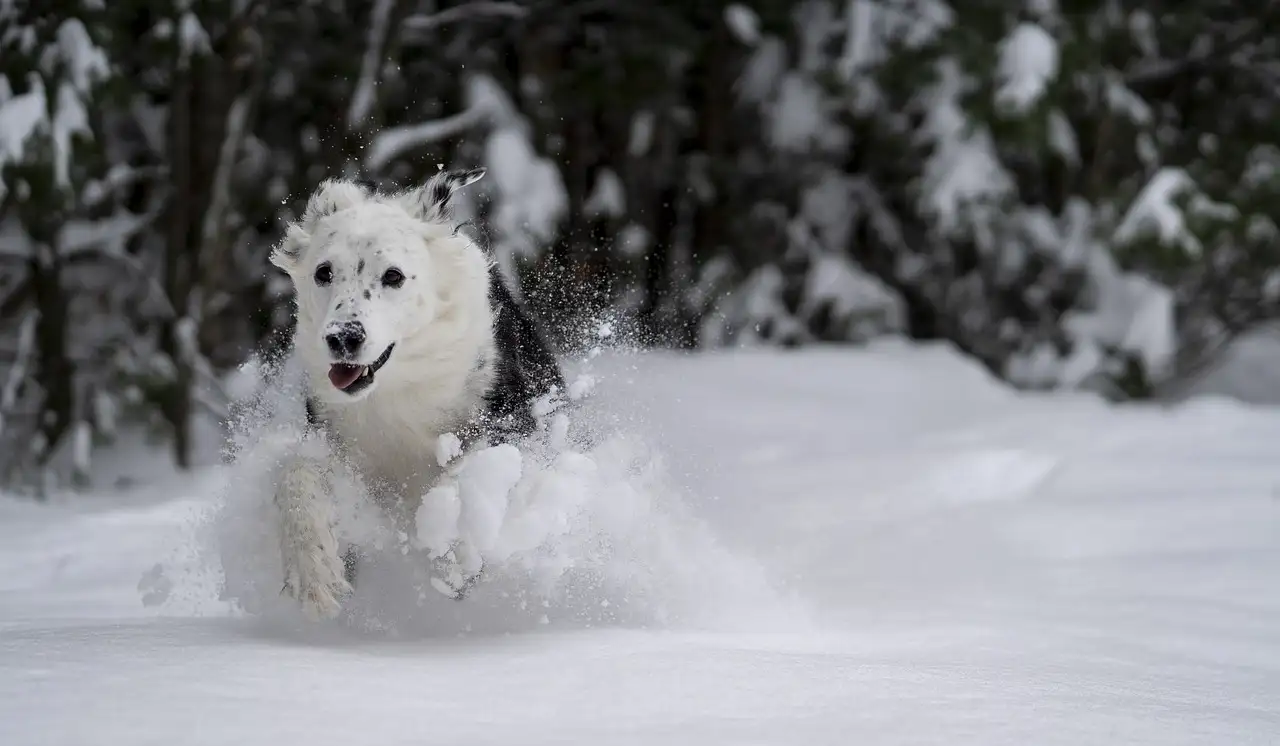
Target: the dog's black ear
(432, 201)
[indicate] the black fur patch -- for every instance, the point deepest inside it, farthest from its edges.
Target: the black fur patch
(439, 194)
(524, 367)
(313, 415)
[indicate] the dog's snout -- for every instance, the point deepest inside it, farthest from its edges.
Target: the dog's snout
(344, 339)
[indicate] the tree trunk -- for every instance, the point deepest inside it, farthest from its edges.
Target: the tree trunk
(54, 369)
(175, 400)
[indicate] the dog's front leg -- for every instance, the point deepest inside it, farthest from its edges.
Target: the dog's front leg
(314, 572)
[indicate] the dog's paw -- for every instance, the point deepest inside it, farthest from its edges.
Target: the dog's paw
(317, 581)
(456, 572)
(453, 585)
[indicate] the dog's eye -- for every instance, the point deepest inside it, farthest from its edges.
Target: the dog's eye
(324, 274)
(393, 278)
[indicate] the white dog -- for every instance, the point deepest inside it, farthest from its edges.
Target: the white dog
(406, 332)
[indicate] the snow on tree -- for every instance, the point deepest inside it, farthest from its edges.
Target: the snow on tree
(52, 73)
(1028, 64)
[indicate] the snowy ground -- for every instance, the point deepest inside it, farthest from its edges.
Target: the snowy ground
(948, 563)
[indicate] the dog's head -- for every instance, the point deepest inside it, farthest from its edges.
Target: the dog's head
(372, 272)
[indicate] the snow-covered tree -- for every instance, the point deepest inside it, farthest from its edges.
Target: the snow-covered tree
(53, 220)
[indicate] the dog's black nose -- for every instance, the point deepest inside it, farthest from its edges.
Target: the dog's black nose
(344, 339)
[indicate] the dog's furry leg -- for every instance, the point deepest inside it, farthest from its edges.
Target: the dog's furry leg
(314, 573)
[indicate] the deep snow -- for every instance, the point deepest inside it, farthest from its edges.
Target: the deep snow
(946, 561)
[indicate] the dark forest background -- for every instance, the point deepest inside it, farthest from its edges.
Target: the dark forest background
(1077, 194)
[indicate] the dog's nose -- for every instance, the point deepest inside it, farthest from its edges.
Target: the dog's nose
(344, 339)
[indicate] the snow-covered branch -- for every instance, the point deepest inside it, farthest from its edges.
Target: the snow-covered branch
(363, 97)
(89, 239)
(187, 331)
(220, 197)
(121, 177)
(15, 244)
(107, 236)
(21, 364)
(393, 142)
(423, 24)
(193, 40)
(1221, 55)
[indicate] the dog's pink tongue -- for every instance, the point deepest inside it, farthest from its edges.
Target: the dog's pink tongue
(342, 375)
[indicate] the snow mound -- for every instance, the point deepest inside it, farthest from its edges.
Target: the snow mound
(578, 526)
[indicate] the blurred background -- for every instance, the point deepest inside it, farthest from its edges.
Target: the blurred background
(1072, 194)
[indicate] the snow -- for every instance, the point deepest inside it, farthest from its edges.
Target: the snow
(1062, 138)
(1122, 99)
(865, 304)
(1028, 65)
(86, 64)
(1156, 211)
(107, 235)
(947, 562)
(1123, 311)
(762, 73)
(859, 43)
(69, 120)
(391, 142)
(20, 117)
(963, 172)
(475, 9)
(1143, 27)
(364, 96)
(608, 198)
(1043, 9)
(633, 240)
(81, 447)
(1247, 369)
(743, 22)
(17, 372)
(531, 197)
(755, 311)
(481, 487)
(641, 138)
(83, 64)
(872, 29)
(193, 40)
(799, 119)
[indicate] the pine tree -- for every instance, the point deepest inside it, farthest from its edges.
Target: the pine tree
(56, 219)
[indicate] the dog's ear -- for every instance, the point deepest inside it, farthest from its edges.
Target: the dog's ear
(331, 196)
(287, 253)
(431, 201)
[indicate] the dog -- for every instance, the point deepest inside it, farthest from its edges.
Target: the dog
(406, 332)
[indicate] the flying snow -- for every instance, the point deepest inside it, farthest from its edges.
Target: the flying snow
(577, 525)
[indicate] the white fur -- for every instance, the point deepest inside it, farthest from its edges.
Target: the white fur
(441, 325)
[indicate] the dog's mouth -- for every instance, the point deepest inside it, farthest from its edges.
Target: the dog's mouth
(356, 378)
